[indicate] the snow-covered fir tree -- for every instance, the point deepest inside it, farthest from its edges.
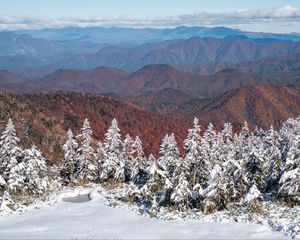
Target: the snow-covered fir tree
(234, 172)
(194, 154)
(68, 166)
(273, 159)
(157, 177)
(85, 167)
(169, 153)
(127, 153)
(114, 165)
(139, 173)
(16, 177)
(255, 166)
(36, 172)
(182, 192)
(216, 194)
(100, 156)
(10, 153)
(290, 179)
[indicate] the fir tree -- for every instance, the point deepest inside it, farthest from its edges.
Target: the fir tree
(193, 152)
(114, 166)
(254, 166)
(70, 159)
(36, 172)
(273, 160)
(290, 179)
(127, 153)
(86, 168)
(139, 172)
(181, 193)
(169, 153)
(216, 193)
(10, 153)
(100, 156)
(16, 177)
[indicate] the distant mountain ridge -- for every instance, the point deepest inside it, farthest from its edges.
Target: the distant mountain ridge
(116, 35)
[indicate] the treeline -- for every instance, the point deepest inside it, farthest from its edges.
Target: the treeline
(215, 170)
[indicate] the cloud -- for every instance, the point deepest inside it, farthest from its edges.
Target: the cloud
(285, 16)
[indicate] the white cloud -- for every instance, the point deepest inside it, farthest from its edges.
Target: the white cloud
(285, 16)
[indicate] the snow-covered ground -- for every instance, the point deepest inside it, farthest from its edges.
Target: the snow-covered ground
(96, 219)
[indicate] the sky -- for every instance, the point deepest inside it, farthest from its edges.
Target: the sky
(254, 15)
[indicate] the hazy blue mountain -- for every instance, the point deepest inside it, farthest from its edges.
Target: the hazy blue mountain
(133, 36)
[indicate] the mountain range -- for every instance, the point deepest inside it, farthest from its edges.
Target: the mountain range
(131, 36)
(153, 85)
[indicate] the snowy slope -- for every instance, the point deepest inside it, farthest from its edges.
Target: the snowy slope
(95, 219)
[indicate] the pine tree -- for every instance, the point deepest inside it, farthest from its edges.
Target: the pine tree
(86, 168)
(273, 159)
(169, 153)
(157, 176)
(114, 166)
(193, 152)
(10, 153)
(36, 172)
(181, 193)
(157, 173)
(70, 159)
(206, 159)
(139, 173)
(290, 179)
(216, 193)
(243, 143)
(254, 166)
(100, 156)
(16, 177)
(127, 154)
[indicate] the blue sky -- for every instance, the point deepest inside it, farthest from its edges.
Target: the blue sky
(255, 15)
(59, 8)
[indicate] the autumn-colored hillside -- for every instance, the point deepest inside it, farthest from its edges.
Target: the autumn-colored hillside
(258, 105)
(45, 118)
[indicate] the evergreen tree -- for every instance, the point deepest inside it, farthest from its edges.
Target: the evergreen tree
(127, 153)
(181, 194)
(36, 172)
(216, 193)
(100, 156)
(254, 166)
(207, 158)
(273, 159)
(70, 159)
(290, 179)
(139, 172)
(16, 177)
(86, 168)
(114, 166)
(193, 152)
(169, 153)
(10, 153)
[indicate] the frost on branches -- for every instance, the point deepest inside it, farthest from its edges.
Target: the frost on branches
(114, 165)
(218, 171)
(69, 161)
(23, 173)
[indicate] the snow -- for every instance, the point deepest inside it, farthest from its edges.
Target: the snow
(97, 219)
(253, 194)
